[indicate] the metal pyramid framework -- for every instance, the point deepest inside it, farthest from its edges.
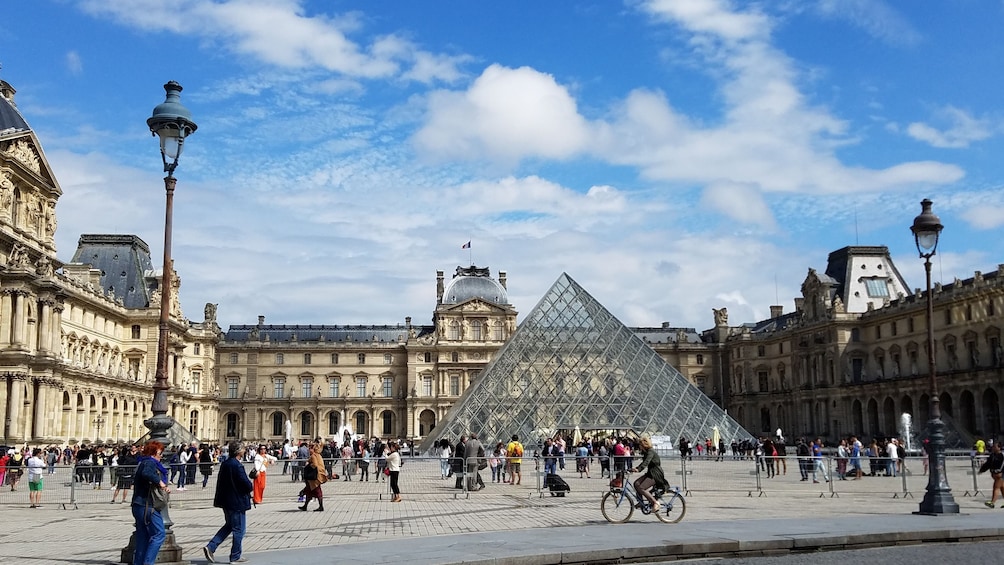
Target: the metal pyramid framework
(573, 364)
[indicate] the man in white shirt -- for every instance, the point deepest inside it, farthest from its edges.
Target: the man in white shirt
(892, 453)
(35, 468)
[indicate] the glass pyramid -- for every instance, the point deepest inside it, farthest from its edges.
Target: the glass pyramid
(571, 364)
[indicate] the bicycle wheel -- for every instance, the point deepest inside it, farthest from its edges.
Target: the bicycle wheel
(616, 507)
(673, 508)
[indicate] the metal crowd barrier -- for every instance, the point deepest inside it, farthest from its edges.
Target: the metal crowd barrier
(69, 486)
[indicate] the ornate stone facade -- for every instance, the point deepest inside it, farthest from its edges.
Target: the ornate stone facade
(77, 350)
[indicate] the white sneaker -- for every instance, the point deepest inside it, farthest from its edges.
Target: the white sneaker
(208, 554)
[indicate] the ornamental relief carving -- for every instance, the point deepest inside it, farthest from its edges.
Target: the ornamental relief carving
(25, 154)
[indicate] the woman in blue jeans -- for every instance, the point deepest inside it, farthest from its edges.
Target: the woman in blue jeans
(150, 532)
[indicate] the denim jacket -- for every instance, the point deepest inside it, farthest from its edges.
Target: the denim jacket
(149, 473)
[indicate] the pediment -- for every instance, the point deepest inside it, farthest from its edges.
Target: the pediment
(24, 152)
(475, 305)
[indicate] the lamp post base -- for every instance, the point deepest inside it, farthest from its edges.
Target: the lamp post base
(938, 499)
(170, 552)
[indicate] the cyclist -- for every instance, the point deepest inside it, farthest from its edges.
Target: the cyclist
(653, 476)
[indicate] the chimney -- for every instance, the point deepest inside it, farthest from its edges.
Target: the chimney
(261, 320)
(665, 325)
(407, 321)
(799, 304)
(502, 279)
(776, 311)
(439, 287)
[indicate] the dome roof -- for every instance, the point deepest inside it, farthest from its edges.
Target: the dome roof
(465, 287)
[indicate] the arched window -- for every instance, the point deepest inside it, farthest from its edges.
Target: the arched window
(231, 431)
(388, 422)
(306, 424)
(361, 423)
(278, 423)
(333, 423)
(454, 330)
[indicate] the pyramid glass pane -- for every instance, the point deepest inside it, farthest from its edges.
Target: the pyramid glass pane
(573, 364)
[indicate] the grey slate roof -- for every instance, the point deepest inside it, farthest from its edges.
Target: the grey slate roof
(124, 261)
(11, 120)
(327, 333)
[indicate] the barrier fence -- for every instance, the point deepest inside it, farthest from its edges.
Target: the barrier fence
(69, 486)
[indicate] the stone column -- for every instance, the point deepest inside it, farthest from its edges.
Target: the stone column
(40, 407)
(15, 429)
(20, 312)
(3, 403)
(44, 326)
(6, 316)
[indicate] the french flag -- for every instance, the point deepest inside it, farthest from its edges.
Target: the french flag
(466, 245)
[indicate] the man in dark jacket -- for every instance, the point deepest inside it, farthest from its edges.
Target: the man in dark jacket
(233, 495)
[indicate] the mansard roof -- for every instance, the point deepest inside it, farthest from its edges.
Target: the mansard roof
(11, 120)
(325, 333)
(124, 262)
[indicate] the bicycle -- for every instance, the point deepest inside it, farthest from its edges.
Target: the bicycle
(619, 503)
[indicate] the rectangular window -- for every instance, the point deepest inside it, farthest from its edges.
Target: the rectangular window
(780, 347)
(197, 349)
(893, 327)
(232, 387)
(909, 325)
(233, 358)
(361, 387)
(427, 386)
(454, 331)
(388, 358)
(476, 330)
(306, 359)
(307, 387)
(334, 358)
(135, 332)
(878, 331)
(700, 359)
(361, 358)
(455, 385)
(278, 388)
(388, 387)
(196, 382)
(333, 387)
(948, 316)
(279, 359)
(877, 288)
(761, 350)
(497, 331)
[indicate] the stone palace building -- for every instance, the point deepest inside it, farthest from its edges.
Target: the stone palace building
(78, 345)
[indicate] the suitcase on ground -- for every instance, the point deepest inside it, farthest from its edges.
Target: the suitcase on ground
(556, 485)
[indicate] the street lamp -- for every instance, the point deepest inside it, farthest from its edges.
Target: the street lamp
(938, 498)
(173, 123)
(98, 422)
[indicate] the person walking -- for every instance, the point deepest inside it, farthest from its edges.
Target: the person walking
(36, 466)
(262, 461)
(205, 463)
(314, 475)
(995, 464)
(394, 468)
(233, 496)
(150, 532)
(125, 473)
(474, 452)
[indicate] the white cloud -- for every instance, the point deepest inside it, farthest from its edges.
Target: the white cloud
(279, 33)
(506, 114)
(875, 17)
(986, 217)
(742, 202)
(714, 17)
(960, 131)
(74, 63)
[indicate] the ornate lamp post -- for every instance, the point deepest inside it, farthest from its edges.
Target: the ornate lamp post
(99, 422)
(172, 122)
(938, 498)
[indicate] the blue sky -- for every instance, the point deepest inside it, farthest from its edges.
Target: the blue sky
(670, 155)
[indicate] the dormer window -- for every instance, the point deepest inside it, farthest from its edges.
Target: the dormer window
(877, 287)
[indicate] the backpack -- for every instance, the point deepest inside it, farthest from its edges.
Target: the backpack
(517, 450)
(803, 449)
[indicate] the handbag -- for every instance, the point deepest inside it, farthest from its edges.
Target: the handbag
(159, 497)
(253, 474)
(386, 471)
(482, 464)
(310, 473)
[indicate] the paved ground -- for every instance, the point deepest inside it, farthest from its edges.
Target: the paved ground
(510, 524)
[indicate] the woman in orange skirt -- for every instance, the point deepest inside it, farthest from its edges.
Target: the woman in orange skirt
(262, 461)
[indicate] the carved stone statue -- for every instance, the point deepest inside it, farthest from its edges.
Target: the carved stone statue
(19, 256)
(210, 312)
(681, 336)
(838, 305)
(6, 193)
(253, 334)
(721, 316)
(43, 266)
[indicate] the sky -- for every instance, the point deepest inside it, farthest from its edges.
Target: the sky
(671, 156)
